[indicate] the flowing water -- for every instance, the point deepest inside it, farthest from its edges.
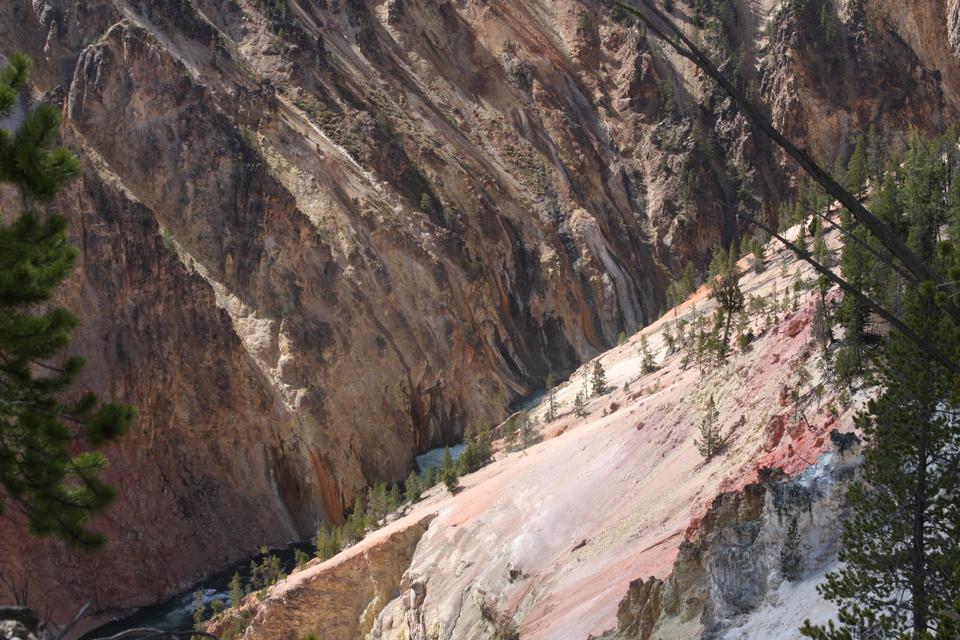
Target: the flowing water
(176, 613)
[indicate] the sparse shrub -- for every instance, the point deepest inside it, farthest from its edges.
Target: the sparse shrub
(426, 203)
(300, 557)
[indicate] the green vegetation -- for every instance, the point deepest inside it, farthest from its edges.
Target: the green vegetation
(265, 573)
(578, 409)
(682, 288)
(199, 612)
(477, 453)
(50, 463)
(725, 288)
(326, 542)
(236, 591)
(648, 363)
(900, 536)
(711, 441)
(598, 380)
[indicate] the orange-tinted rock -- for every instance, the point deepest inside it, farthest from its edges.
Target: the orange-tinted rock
(775, 429)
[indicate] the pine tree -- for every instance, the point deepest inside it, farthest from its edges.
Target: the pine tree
(578, 409)
(326, 543)
(267, 572)
(356, 525)
(376, 503)
(199, 611)
(50, 464)
(300, 557)
(711, 442)
(725, 288)
(670, 338)
(857, 169)
(236, 590)
(451, 481)
(599, 379)
(648, 364)
(393, 498)
(412, 488)
(900, 552)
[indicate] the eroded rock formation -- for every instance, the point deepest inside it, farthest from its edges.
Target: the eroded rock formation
(320, 236)
(735, 563)
(338, 599)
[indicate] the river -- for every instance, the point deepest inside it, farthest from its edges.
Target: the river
(176, 613)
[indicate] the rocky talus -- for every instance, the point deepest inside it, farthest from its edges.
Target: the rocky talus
(318, 237)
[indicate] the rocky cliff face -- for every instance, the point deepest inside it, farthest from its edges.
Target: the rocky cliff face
(744, 552)
(339, 598)
(544, 543)
(320, 236)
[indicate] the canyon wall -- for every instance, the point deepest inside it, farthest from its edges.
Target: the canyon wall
(318, 237)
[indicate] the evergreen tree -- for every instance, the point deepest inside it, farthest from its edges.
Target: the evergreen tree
(267, 572)
(900, 543)
(451, 480)
(199, 611)
(551, 399)
(669, 337)
(300, 558)
(447, 464)
(711, 441)
(326, 543)
(393, 498)
(855, 264)
(599, 379)
(356, 525)
(50, 465)
(648, 364)
(448, 472)
(820, 251)
(578, 409)
(412, 488)
(236, 590)
(857, 169)
(376, 503)
(725, 288)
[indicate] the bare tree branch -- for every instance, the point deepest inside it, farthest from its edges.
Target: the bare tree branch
(76, 618)
(931, 350)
